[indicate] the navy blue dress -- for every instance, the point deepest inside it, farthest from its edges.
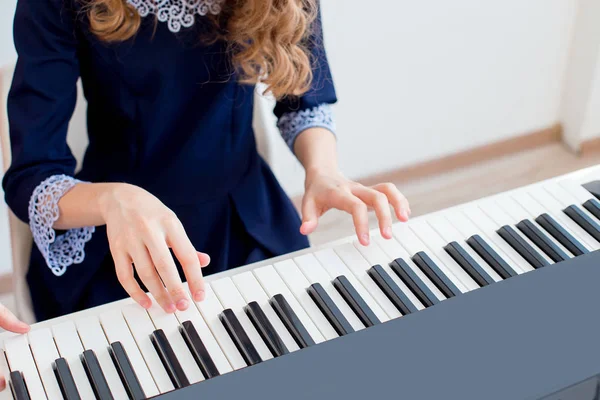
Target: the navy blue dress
(166, 113)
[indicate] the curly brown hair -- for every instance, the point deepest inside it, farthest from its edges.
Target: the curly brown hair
(268, 39)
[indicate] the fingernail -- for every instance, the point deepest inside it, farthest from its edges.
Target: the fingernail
(182, 304)
(199, 295)
(171, 308)
(404, 214)
(145, 303)
(388, 231)
(365, 238)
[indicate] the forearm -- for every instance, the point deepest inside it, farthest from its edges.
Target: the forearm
(83, 205)
(316, 150)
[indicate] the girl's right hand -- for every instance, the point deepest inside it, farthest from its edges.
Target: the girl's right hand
(141, 230)
(11, 323)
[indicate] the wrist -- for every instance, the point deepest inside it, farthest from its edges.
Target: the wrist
(108, 197)
(322, 170)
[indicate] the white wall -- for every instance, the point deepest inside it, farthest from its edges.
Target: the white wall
(422, 79)
(7, 49)
(581, 95)
(7, 55)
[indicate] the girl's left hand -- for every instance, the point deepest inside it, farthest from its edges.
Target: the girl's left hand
(327, 189)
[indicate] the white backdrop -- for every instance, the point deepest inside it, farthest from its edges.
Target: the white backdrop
(7, 49)
(422, 79)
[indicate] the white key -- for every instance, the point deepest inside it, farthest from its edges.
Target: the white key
(450, 234)
(5, 371)
(489, 227)
(70, 348)
(210, 308)
(576, 190)
(519, 213)
(554, 208)
(93, 338)
(116, 330)
(436, 245)
(251, 290)
(467, 228)
(535, 208)
(413, 244)
(565, 197)
(273, 284)
(170, 326)
(336, 267)
(374, 255)
(216, 354)
(45, 354)
(359, 267)
(314, 273)
(20, 359)
(298, 284)
(231, 298)
(394, 250)
(141, 327)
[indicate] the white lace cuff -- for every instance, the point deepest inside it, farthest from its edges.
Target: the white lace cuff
(291, 124)
(67, 249)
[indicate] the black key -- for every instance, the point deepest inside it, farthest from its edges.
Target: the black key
(467, 263)
(266, 329)
(391, 290)
(96, 376)
(239, 337)
(435, 274)
(126, 372)
(515, 241)
(329, 309)
(414, 283)
(168, 359)
(291, 321)
(355, 301)
(198, 350)
(584, 221)
(18, 386)
(593, 188)
(561, 235)
(542, 241)
(490, 256)
(593, 206)
(65, 380)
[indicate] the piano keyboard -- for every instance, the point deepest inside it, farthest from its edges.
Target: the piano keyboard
(268, 310)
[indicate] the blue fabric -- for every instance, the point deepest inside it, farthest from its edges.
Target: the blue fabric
(166, 113)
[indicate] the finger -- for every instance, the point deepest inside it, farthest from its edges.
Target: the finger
(165, 265)
(2, 383)
(124, 270)
(10, 322)
(146, 270)
(379, 202)
(346, 201)
(204, 259)
(310, 216)
(188, 258)
(396, 199)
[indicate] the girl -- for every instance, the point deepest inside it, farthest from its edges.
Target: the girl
(172, 166)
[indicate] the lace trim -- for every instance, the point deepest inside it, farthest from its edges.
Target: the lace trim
(293, 123)
(178, 13)
(67, 249)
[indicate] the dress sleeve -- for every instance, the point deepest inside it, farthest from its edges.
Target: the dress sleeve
(40, 105)
(313, 109)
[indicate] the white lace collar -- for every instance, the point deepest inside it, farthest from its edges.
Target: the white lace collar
(177, 13)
